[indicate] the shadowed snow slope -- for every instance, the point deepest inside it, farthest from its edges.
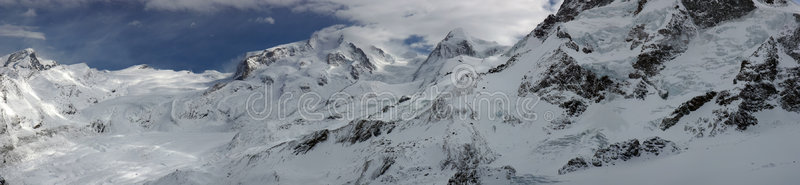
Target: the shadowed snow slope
(603, 92)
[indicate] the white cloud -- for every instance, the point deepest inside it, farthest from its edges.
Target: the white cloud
(382, 20)
(135, 23)
(267, 20)
(388, 22)
(502, 21)
(30, 13)
(8, 30)
(325, 7)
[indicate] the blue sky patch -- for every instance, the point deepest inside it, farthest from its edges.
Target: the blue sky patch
(116, 35)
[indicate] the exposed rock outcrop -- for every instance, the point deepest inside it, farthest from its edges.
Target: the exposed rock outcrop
(620, 152)
(668, 44)
(687, 108)
(362, 130)
(568, 11)
(790, 95)
(266, 58)
(710, 13)
(761, 81)
(777, 3)
(566, 75)
(310, 141)
(791, 42)
(27, 59)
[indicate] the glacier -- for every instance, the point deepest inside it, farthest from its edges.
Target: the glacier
(602, 92)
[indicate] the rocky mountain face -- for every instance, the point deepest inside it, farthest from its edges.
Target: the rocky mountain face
(24, 63)
(603, 91)
(26, 59)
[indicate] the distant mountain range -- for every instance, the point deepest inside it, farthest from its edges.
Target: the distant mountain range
(602, 92)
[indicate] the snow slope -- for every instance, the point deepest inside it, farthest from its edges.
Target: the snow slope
(603, 92)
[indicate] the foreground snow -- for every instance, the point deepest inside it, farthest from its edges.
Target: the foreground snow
(117, 159)
(604, 92)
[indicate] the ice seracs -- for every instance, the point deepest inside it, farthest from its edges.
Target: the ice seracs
(612, 91)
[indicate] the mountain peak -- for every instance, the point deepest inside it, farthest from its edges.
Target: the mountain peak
(454, 44)
(27, 59)
(28, 50)
(458, 42)
(327, 47)
(457, 33)
(328, 38)
(567, 12)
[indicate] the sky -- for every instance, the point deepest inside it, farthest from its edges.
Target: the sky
(200, 35)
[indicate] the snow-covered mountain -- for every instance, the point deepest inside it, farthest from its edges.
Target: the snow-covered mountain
(602, 92)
